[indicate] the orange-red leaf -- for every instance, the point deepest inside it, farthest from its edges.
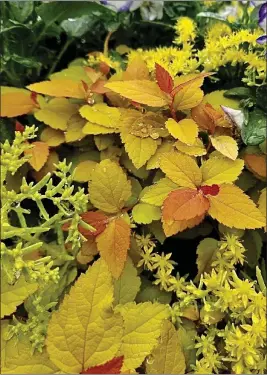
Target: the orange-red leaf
(164, 79)
(111, 367)
(99, 87)
(171, 227)
(184, 204)
(38, 155)
(113, 244)
(256, 164)
(97, 220)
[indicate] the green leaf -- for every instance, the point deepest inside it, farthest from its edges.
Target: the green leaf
(21, 10)
(59, 11)
(246, 181)
(214, 16)
(254, 130)
(238, 92)
(261, 97)
(77, 27)
(252, 242)
(150, 292)
(206, 252)
(28, 62)
(128, 284)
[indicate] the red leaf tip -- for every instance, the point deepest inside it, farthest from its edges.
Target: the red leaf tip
(210, 190)
(111, 367)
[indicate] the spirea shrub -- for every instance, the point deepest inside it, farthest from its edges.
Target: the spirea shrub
(112, 157)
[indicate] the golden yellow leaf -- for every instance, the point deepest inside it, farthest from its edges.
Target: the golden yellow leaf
(225, 145)
(84, 332)
(167, 357)
(56, 113)
(221, 170)
(109, 188)
(128, 284)
(154, 161)
(233, 208)
(83, 171)
(136, 69)
(196, 149)
(75, 127)
(139, 149)
(59, 88)
(181, 169)
(142, 324)
(145, 213)
(73, 73)
(15, 294)
(113, 244)
(38, 154)
(95, 129)
(262, 202)
(156, 194)
(52, 137)
(15, 102)
(185, 130)
(189, 95)
(101, 114)
(140, 91)
(49, 167)
(17, 356)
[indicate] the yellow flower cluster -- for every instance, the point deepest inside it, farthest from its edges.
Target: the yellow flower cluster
(185, 29)
(219, 294)
(173, 59)
(94, 60)
(223, 48)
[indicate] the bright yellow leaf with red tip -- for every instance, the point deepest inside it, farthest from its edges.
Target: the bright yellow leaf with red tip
(84, 332)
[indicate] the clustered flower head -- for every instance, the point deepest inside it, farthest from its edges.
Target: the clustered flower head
(223, 47)
(220, 293)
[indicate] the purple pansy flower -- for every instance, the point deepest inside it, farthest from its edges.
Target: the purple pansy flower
(150, 10)
(263, 23)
